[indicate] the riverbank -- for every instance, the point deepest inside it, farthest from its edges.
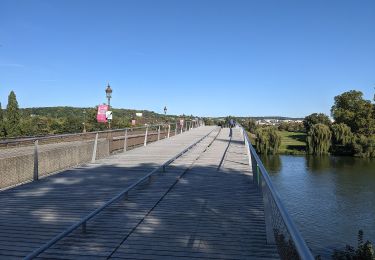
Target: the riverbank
(292, 143)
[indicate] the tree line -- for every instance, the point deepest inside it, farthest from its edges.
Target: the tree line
(16, 121)
(352, 131)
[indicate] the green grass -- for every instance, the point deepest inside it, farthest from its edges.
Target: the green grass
(292, 143)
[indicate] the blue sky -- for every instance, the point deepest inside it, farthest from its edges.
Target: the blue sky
(202, 57)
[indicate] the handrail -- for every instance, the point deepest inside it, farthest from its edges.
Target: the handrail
(46, 137)
(300, 244)
(123, 193)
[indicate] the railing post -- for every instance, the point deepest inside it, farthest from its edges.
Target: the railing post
(169, 130)
(182, 126)
(126, 140)
(93, 158)
(258, 181)
(268, 215)
(145, 142)
(36, 160)
(175, 130)
(159, 133)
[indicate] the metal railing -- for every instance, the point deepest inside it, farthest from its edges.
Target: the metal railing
(123, 194)
(280, 228)
(28, 159)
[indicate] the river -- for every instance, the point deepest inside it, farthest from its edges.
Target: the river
(329, 198)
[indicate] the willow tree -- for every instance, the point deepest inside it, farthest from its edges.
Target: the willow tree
(319, 139)
(268, 141)
(341, 134)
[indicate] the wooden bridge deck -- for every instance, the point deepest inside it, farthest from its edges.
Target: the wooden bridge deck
(212, 212)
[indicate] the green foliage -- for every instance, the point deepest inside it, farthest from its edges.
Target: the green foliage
(351, 109)
(319, 139)
(251, 126)
(2, 122)
(341, 134)
(315, 118)
(291, 127)
(342, 139)
(12, 116)
(267, 140)
(364, 251)
(364, 146)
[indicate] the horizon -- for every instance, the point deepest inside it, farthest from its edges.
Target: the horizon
(206, 58)
(121, 108)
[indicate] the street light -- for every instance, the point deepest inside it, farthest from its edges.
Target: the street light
(108, 92)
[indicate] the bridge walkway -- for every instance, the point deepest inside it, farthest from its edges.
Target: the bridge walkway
(204, 206)
(33, 213)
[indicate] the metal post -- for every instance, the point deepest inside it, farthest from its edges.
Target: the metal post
(36, 160)
(268, 215)
(95, 148)
(145, 142)
(159, 133)
(126, 140)
(169, 131)
(258, 177)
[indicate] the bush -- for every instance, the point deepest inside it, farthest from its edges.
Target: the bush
(364, 251)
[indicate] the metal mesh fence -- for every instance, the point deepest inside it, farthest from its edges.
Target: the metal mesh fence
(280, 229)
(28, 159)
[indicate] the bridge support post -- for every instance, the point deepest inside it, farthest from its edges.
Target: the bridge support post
(145, 142)
(93, 158)
(169, 131)
(36, 160)
(159, 133)
(126, 140)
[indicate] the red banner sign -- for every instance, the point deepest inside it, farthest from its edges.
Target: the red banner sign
(101, 116)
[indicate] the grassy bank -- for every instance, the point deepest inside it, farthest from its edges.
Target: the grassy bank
(292, 143)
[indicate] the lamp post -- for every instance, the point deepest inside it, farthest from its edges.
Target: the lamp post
(108, 92)
(165, 113)
(84, 120)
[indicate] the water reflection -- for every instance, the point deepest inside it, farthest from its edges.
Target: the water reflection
(273, 162)
(330, 198)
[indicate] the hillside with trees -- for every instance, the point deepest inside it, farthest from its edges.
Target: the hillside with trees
(16, 121)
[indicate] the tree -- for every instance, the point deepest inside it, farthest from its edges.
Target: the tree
(319, 139)
(12, 116)
(364, 146)
(342, 139)
(315, 118)
(268, 141)
(252, 126)
(351, 109)
(341, 134)
(2, 123)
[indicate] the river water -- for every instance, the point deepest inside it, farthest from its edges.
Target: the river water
(329, 198)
